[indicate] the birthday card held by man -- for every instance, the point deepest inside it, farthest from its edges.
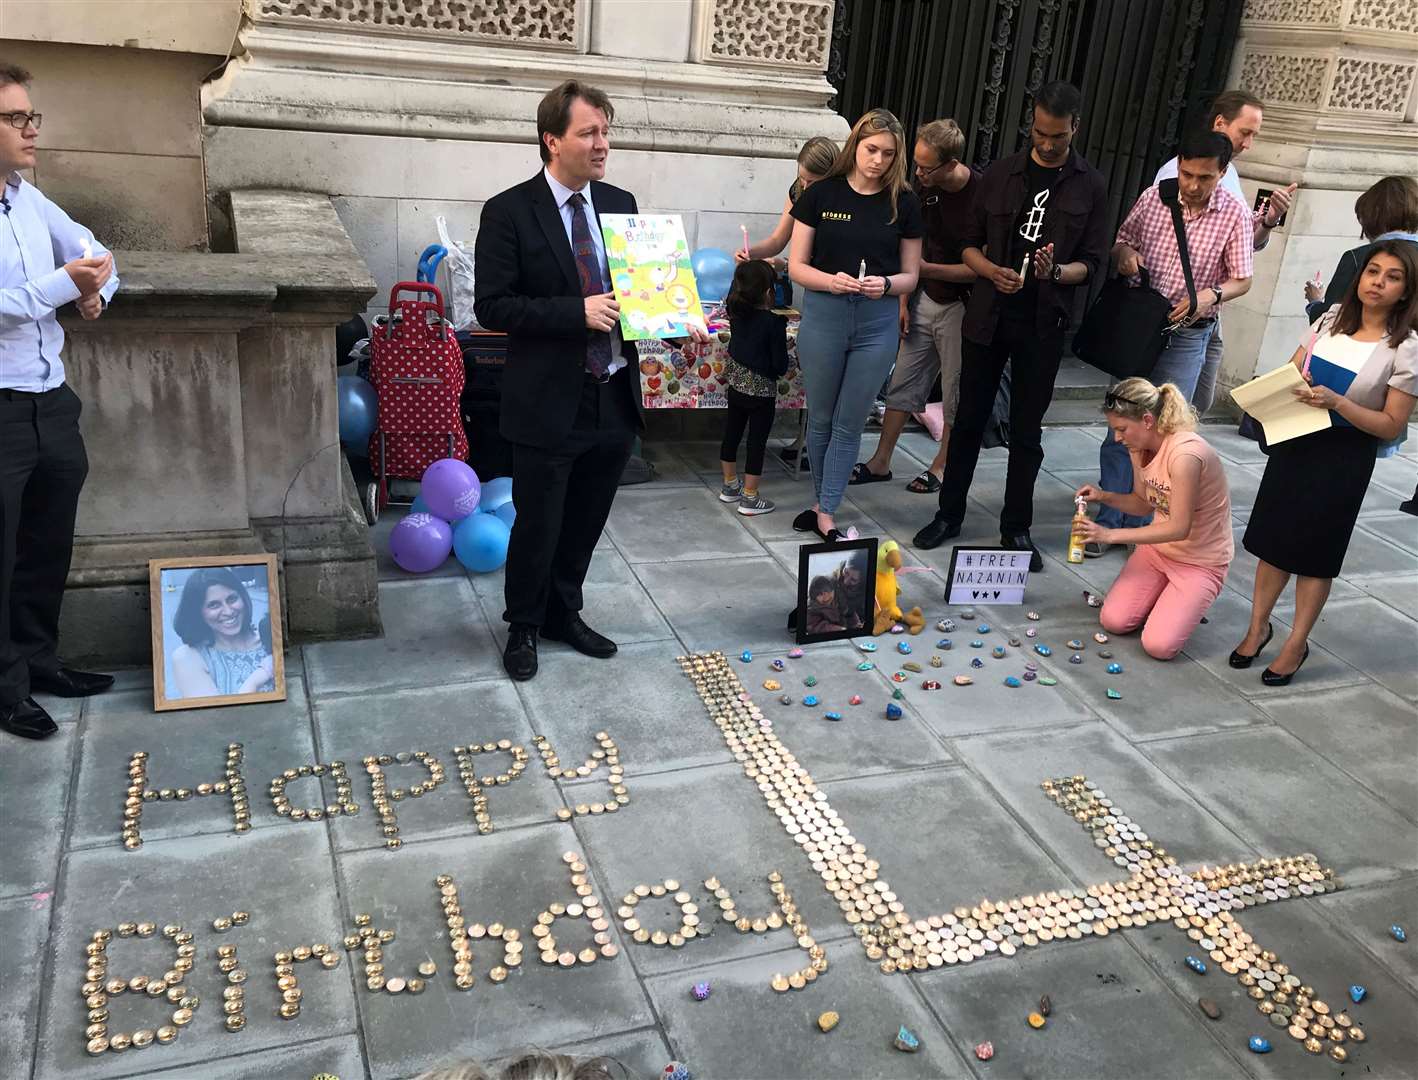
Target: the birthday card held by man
(651, 275)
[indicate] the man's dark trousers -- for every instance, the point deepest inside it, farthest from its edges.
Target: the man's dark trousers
(563, 496)
(1035, 364)
(42, 471)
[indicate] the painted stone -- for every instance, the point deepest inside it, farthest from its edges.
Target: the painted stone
(1075, 644)
(772, 684)
(795, 654)
(998, 652)
(906, 1040)
(962, 680)
(700, 990)
(1032, 616)
(785, 700)
(828, 1020)
(1076, 658)
(855, 699)
(945, 644)
(810, 700)
(865, 665)
(983, 628)
(867, 646)
(945, 626)
(893, 711)
(911, 665)
(1105, 654)
(930, 684)
(778, 665)
(904, 648)
(1048, 680)
(832, 716)
(745, 656)
(1209, 1007)
(1113, 695)
(985, 1050)
(1357, 993)
(1398, 933)
(1101, 638)
(1043, 650)
(1012, 680)
(1036, 1020)
(811, 680)
(898, 628)
(936, 661)
(977, 663)
(977, 644)
(1115, 669)
(1259, 1045)
(1092, 599)
(899, 676)
(1196, 965)
(1030, 676)
(1031, 632)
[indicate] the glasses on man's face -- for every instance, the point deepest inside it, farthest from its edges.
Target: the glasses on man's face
(1112, 400)
(21, 120)
(924, 172)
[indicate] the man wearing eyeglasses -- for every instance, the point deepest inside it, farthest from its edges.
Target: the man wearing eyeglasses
(931, 317)
(1219, 229)
(46, 261)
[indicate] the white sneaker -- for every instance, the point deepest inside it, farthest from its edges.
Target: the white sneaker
(750, 505)
(731, 492)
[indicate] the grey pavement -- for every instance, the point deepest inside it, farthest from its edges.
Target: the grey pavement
(1214, 766)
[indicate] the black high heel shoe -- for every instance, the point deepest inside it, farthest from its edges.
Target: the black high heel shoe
(1241, 660)
(1270, 678)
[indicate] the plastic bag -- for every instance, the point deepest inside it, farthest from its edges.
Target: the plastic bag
(460, 279)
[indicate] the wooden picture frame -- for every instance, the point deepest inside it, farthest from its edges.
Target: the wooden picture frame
(189, 659)
(857, 610)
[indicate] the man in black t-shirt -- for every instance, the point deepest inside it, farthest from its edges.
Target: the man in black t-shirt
(1038, 232)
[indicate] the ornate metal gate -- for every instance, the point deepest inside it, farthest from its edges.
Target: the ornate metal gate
(1144, 67)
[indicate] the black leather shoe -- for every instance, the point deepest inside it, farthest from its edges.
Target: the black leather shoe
(581, 637)
(66, 682)
(806, 521)
(1238, 659)
(1271, 678)
(28, 720)
(519, 659)
(935, 534)
(1023, 542)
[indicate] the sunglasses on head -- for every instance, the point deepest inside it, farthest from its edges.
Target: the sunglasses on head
(1111, 400)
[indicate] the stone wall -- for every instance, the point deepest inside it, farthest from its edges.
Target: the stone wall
(1339, 79)
(405, 110)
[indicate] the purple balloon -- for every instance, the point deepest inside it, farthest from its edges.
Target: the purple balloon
(421, 542)
(451, 489)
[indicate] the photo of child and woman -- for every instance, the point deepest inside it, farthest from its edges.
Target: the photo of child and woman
(834, 591)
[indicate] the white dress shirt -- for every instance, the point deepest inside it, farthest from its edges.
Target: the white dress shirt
(562, 194)
(36, 239)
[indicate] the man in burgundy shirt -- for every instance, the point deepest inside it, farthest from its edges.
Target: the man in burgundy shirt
(1219, 230)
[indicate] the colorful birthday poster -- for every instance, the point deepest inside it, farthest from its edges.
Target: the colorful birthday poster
(651, 275)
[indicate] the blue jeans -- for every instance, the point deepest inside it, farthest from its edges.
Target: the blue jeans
(846, 346)
(1180, 363)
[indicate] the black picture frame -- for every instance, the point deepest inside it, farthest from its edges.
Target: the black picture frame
(819, 560)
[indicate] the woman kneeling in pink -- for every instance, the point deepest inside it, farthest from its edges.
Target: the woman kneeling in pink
(1182, 556)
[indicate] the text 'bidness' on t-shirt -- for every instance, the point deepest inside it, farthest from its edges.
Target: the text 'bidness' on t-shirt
(852, 227)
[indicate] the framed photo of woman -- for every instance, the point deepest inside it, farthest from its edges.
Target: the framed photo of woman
(216, 631)
(836, 590)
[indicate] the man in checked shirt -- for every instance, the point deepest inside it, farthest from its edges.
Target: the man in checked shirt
(46, 261)
(1220, 237)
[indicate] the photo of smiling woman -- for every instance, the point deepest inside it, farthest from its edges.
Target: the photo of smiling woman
(856, 247)
(218, 640)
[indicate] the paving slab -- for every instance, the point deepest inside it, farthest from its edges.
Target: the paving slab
(1400, 529)
(340, 1056)
(434, 633)
(1397, 473)
(1015, 764)
(1374, 638)
(659, 525)
(1305, 940)
(1399, 592)
(728, 604)
(1071, 448)
(614, 602)
(1111, 1014)
(671, 466)
(1283, 799)
(34, 798)
(655, 838)
(283, 877)
(506, 877)
(1366, 731)
(24, 927)
(1366, 914)
(975, 849)
(639, 697)
(434, 721)
(184, 749)
(389, 570)
(776, 1035)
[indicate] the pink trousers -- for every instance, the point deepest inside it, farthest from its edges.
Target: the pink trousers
(1165, 597)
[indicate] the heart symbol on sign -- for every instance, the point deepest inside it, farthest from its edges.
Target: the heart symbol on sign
(653, 382)
(996, 594)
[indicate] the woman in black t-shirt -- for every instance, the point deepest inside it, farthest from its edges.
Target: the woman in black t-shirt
(856, 247)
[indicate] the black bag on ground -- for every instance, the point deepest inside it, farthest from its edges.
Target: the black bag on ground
(1127, 327)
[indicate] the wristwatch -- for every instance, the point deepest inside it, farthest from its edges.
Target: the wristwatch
(1056, 274)
(1217, 291)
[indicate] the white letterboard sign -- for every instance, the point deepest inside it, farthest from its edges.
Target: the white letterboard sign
(987, 576)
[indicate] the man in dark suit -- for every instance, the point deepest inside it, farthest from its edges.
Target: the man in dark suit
(571, 390)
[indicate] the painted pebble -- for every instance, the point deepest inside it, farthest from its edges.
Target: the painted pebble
(865, 665)
(1075, 644)
(1398, 933)
(945, 644)
(745, 656)
(962, 680)
(1357, 993)
(676, 1070)
(1029, 665)
(1101, 638)
(930, 684)
(1196, 965)
(985, 1050)
(1030, 676)
(1076, 658)
(936, 661)
(1115, 669)
(1014, 643)
(1259, 1045)
(899, 676)
(898, 628)
(855, 699)
(1209, 1007)
(1031, 632)
(911, 665)
(778, 665)
(1046, 1006)
(898, 695)
(772, 684)
(1032, 616)
(1036, 1020)
(700, 991)
(983, 628)
(906, 1040)
(867, 646)
(904, 648)
(997, 652)
(1092, 599)
(977, 644)
(810, 700)
(785, 700)
(1048, 680)
(977, 663)
(1012, 680)
(811, 680)
(945, 626)
(828, 1020)
(1105, 654)
(1113, 695)
(832, 716)
(968, 613)
(1043, 650)
(795, 654)
(893, 711)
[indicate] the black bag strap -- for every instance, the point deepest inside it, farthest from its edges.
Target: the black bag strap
(1167, 191)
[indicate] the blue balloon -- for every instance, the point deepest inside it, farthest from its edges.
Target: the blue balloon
(480, 542)
(495, 492)
(359, 409)
(713, 271)
(507, 513)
